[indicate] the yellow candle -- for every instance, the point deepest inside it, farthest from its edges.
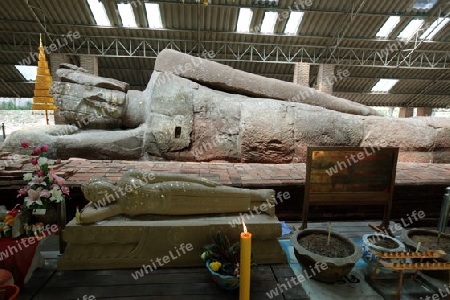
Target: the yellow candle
(244, 273)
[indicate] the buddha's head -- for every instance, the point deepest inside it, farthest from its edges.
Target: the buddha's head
(96, 189)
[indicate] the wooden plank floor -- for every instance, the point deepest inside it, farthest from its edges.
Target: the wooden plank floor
(167, 283)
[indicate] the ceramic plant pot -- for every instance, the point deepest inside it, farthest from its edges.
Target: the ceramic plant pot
(380, 243)
(312, 248)
(226, 282)
(428, 240)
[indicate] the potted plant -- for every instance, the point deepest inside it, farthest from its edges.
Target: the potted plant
(44, 189)
(222, 260)
(337, 253)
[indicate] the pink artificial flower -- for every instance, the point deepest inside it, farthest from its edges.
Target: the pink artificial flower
(34, 161)
(44, 148)
(65, 190)
(59, 180)
(40, 173)
(24, 144)
(33, 196)
(45, 193)
(55, 186)
(23, 191)
(36, 151)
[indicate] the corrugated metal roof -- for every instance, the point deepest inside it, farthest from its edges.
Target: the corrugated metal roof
(340, 29)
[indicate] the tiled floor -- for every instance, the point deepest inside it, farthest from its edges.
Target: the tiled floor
(243, 175)
(236, 174)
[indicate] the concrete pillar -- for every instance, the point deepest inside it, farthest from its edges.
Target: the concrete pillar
(301, 73)
(424, 111)
(406, 112)
(90, 63)
(390, 112)
(326, 78)
(55, 60)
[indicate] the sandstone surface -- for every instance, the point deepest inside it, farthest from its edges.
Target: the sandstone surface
(177, 118)
(38, 135)
(222, 77)
(130, 243)
(98, 144)
(89, 107)
(79, 76)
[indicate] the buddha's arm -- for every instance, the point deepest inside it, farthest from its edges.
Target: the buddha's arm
(156, 177)
(90, 214)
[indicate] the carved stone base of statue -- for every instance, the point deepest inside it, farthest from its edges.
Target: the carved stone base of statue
(150, 242)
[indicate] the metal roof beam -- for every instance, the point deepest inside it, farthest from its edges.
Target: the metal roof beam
(140, 15)
(112, 11)
(233, 51)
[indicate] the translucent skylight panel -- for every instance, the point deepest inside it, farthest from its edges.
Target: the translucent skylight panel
(410, 29)
(268, 25)
(434, 28)
(99, 12)
(295, 18)
(153, 15)
(28, 72)
(245, 17)
(127, 15)
(424, 4)
(388, 26)
(384, 85)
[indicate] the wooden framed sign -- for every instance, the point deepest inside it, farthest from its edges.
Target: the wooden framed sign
(350, 176)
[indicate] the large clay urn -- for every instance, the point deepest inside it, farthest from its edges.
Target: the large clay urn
(336, 267)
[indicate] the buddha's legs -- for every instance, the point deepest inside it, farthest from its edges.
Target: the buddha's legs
(191, 198)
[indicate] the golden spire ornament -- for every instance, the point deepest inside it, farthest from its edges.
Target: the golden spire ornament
(42, 99)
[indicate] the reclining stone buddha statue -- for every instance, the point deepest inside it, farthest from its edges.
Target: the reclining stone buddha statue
(194, 109)
(146, 214)
(140, 193)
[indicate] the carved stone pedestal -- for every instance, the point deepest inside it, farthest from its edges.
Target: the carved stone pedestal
(122, 242)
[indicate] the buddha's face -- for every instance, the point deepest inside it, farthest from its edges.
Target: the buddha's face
(97, 189)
